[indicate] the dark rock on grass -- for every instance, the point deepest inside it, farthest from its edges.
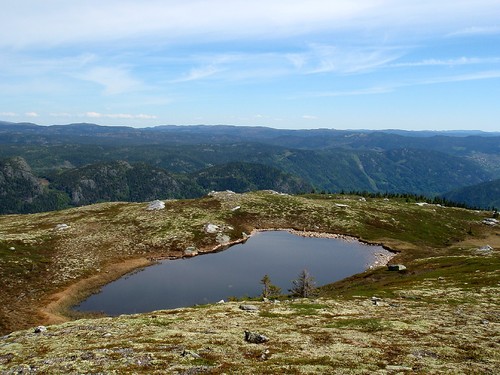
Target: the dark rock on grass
(255, 338)
(249, 308)
(396, 267)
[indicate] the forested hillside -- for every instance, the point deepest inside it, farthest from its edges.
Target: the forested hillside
(21, 191)
(485, 195)
(86, 163)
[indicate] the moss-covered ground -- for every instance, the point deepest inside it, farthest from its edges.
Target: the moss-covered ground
(440, 315)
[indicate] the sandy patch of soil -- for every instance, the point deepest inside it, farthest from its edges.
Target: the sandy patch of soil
(58, 304)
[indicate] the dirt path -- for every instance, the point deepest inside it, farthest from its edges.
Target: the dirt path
(57, 305)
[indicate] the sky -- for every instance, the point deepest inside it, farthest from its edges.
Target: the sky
(343, 64)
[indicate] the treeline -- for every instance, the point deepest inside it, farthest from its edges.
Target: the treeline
(408, 197)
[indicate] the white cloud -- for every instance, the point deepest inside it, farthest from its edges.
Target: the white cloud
(476, 30)
(365, 91)
(342, 59)
(449, 62)
(54, 22)
(31, 114)
(494, 74)
(199, 73)
(309, 117)
(140, 116)
(114, 80)
(60, 114)
(8, 114)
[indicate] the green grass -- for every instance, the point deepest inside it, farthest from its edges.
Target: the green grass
(360, 324)
(307, 308)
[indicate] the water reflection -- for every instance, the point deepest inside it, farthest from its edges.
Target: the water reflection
(233, 272)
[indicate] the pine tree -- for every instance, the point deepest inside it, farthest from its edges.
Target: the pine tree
(304, 286)
(268, 289)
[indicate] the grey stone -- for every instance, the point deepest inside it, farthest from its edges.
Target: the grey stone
(189, 353)
(211, 228)
(249, 307)
(191, 251)
(223, 239)
(61, 226)
(490, 221)
(396, 267)
(156, 205)
(40, 329)
(485, 248)
(255, 338)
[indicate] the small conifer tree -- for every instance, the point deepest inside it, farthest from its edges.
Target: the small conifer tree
(304, 286)
(268, 289)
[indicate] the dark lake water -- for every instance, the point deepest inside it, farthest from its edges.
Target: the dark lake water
(236, 271)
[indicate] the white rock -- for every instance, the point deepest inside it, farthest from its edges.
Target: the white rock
(211, 228)
(223, 239)
(156, 205)
(40, 329)
(61, 226)
(191, 251)
(490, 221)
(235, 208)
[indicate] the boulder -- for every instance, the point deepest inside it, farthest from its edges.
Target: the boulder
(156, 205)
(395, 267)
(490, 221)
(191, 251)
(211, 228)
(223, 239)
(249, 308)
(486, 248)
(255, 338)
(40, 329)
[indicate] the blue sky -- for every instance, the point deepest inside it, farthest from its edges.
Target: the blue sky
(365, 64)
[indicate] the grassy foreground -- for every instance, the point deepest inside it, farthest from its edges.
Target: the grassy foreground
(441, 315)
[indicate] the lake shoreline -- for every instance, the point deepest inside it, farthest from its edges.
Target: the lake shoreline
(58, 307)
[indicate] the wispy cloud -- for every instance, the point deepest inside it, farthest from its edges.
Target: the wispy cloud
(309, 117)
(8, 114)
(114, 80)
(326, 58)
(492, 74)
(340, 93)
(31, 114)
(448, 62)
(66, 22)
(476, 30)
(140, 116)
(391, 87)
(199, 73)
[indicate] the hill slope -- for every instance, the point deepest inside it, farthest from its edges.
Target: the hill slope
(449, 286)
(485, 195)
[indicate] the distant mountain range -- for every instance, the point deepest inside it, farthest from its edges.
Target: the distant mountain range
(64, 165)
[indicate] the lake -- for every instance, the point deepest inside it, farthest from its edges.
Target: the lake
(236, 271)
